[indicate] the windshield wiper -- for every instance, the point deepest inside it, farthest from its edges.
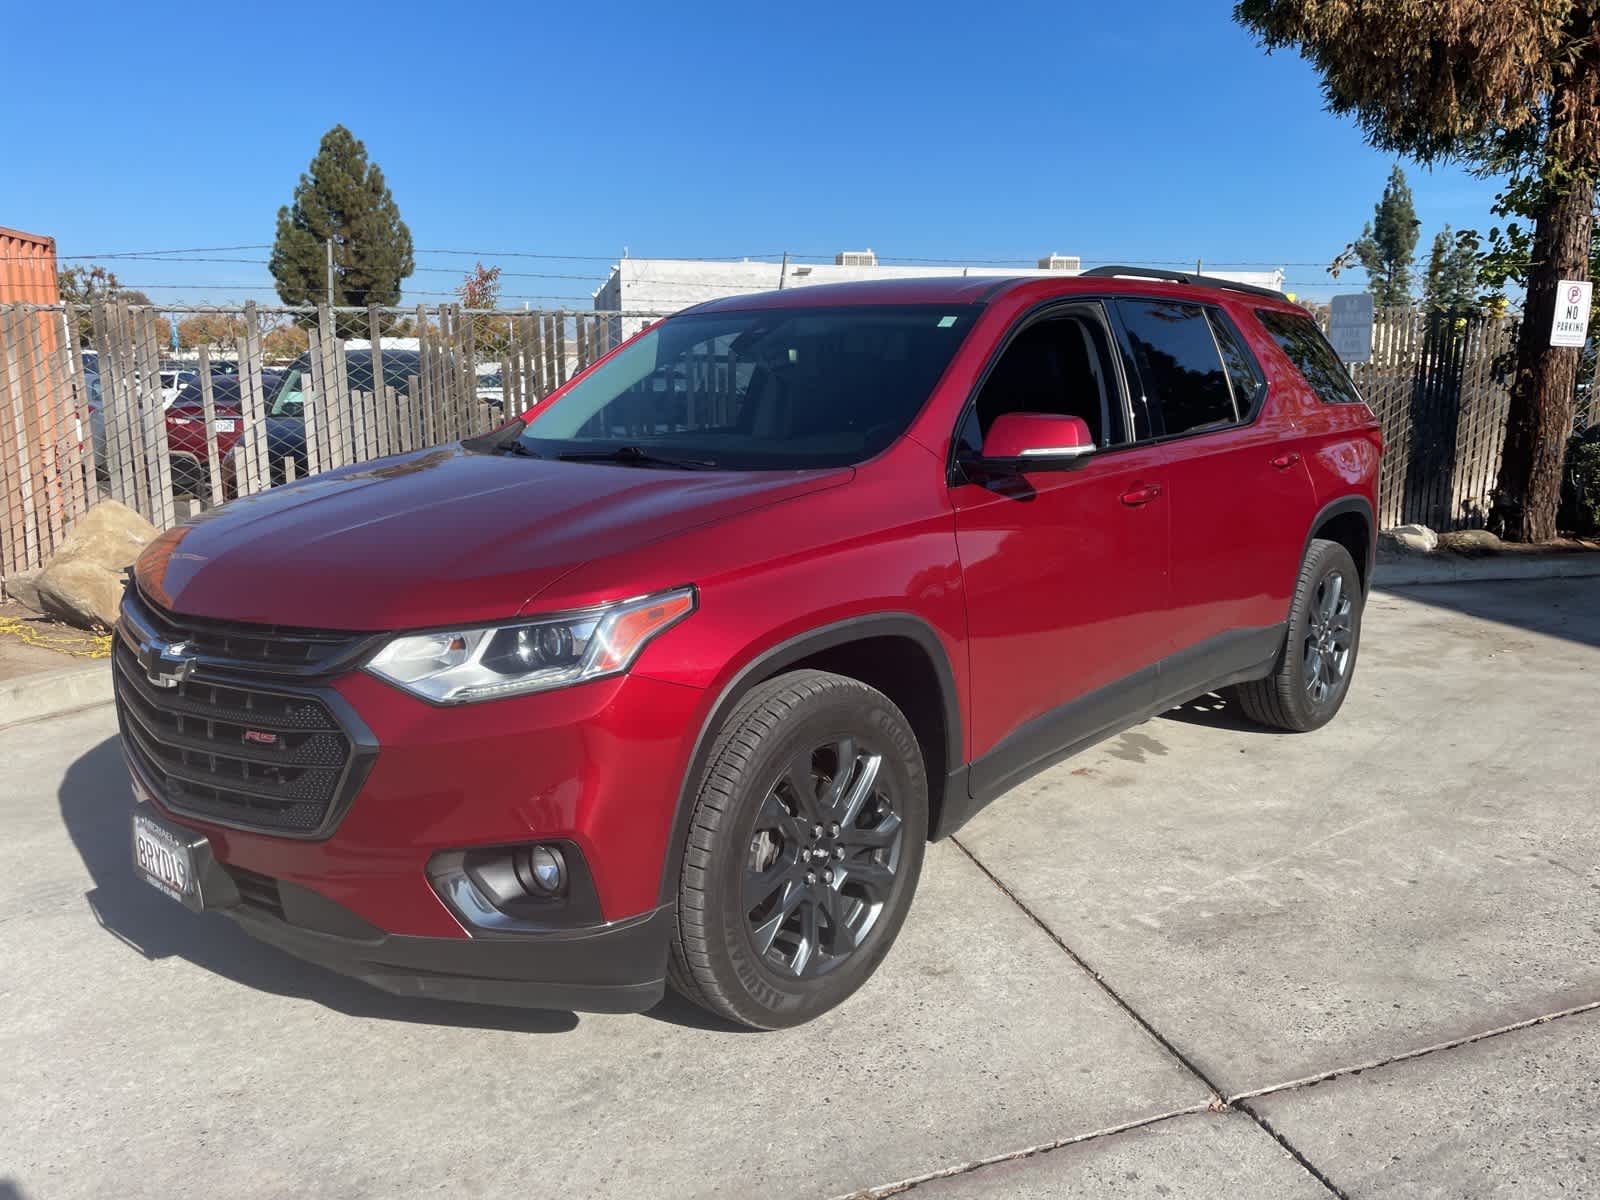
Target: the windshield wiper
(516, 447)
(637, 456)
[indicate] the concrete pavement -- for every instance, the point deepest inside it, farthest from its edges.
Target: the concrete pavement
(1154, 970)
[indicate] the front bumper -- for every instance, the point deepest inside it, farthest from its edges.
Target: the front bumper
(619, 968)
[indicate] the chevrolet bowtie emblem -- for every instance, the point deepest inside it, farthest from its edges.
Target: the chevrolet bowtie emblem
(166, 664)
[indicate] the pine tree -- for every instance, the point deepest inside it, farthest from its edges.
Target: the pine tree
(1387, 243)
(1452, 281)
(342, 197)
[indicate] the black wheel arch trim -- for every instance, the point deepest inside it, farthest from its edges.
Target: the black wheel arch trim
(796, 649)
(1335, 508)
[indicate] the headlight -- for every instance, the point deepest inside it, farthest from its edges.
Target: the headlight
(458, 666)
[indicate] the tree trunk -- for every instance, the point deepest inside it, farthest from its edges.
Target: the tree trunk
(1540, 420)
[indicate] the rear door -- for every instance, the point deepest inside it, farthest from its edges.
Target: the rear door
(1241, 496)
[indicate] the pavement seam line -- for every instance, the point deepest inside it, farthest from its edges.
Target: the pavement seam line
(1407, 1056)
(1217, 1103)
(900, 1187)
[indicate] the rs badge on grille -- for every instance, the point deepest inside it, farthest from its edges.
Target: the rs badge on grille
(261, 736)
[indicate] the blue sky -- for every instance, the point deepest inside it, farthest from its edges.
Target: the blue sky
(1155, 131)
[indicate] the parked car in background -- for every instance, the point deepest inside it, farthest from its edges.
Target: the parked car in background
(674, 678)
(186, 429)
(491, 387)
(285, 427)
(173, 380)
(185, 424)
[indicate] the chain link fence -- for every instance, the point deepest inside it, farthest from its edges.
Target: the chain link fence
(99, 402)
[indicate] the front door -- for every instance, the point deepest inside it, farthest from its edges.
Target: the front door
(1065, 571)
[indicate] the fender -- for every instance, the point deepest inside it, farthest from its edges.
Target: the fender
(1344, 504)
(795, 649)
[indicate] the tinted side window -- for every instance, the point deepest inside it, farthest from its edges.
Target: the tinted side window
(1178, 361)
(1060, 365)
(1308, 350)
(1243, 373)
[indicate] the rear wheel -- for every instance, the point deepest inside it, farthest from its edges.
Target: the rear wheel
(804, 849)
(1319, 655)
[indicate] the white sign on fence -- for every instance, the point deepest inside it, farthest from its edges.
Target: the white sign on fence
(1571, 324)
(1350, 327)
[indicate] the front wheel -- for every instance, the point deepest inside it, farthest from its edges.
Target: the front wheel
(1319, 654)
(804, 849)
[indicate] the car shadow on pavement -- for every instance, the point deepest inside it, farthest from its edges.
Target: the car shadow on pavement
(1217, 710)
(95, 803)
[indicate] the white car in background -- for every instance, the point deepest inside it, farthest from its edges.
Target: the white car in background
(490, 386)
(173, 381)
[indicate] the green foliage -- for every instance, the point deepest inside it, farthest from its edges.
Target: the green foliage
(344, 198)
(1388, 242)
(1452, 280)
(1580, 489)
(1504, 264)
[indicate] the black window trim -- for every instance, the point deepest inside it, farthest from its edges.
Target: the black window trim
(1209, 308)
(1046, 310)
(1217, 314)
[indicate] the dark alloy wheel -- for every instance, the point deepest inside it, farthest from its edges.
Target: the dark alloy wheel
(804, 849)
(1330, 639)
(823, 859)
(1312, 675)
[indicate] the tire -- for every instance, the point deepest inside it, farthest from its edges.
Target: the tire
(776, 922)
(1312, 677)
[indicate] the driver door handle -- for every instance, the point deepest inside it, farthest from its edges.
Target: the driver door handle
(1284, 461)
(1143, 494)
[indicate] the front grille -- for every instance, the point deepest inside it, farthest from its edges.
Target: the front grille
(234, 745)
(268, 649)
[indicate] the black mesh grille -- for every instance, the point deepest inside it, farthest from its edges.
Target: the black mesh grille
(255, 649)
(225, 748)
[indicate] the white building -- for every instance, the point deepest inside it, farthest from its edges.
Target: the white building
(660, 286)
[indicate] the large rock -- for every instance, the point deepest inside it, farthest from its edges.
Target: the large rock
(82, 582)
(1417, 539)
(23, 587)
(1471, 541)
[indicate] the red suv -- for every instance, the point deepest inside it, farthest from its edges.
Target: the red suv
(672, 678)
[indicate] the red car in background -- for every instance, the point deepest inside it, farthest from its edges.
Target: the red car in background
(186, 429)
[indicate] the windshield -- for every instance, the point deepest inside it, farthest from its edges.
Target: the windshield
(765, 390)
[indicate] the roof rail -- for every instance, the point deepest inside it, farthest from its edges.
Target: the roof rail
(1179, 277)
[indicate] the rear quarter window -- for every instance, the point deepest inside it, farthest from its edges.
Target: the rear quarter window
(1300, 339)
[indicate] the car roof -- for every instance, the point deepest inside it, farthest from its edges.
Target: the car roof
(980, 289)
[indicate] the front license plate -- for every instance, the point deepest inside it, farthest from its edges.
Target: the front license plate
(164, 861)
(224, 426)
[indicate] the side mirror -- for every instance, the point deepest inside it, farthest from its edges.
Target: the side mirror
(1024, 441)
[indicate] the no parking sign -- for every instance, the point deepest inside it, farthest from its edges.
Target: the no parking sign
(1571, 324)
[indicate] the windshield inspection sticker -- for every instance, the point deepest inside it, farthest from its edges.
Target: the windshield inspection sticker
(946, 322)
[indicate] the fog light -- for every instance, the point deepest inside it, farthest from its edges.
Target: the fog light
(542, 871)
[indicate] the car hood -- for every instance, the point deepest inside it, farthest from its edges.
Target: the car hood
(440, 537)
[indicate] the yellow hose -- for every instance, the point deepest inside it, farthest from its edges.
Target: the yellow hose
(79, 645)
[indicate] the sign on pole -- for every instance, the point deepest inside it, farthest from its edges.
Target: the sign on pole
(1571, 324)
(1350, 327)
